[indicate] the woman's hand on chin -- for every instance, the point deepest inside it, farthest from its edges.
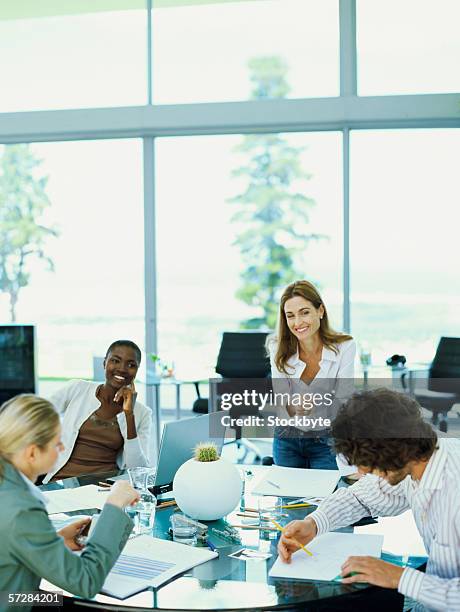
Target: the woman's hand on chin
(128, 396)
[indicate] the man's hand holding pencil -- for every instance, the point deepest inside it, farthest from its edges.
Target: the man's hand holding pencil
(294, 534)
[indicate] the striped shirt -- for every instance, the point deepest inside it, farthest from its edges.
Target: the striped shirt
(435, 503)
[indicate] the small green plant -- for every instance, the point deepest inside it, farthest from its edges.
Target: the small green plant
(206, 451)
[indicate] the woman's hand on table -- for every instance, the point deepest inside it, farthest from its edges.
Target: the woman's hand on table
(295, 533)
(122, 495)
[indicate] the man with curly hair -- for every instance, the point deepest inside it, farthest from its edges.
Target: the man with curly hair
(404, 466)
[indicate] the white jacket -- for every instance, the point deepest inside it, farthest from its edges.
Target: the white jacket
(76, 401)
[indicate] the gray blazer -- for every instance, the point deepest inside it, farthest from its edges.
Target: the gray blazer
(31, 549)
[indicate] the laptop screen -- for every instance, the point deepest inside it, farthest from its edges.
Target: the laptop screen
(178, 442)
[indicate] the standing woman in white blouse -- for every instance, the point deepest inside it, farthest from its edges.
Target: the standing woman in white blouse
(305, 350)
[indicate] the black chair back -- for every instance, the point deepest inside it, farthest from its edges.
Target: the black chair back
(444, 373)
(243, 355)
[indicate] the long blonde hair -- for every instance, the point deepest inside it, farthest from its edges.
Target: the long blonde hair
(25, 419)
(286, 342)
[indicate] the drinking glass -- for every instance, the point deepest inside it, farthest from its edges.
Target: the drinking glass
(143, 512)
(269, 509)
(184, 531)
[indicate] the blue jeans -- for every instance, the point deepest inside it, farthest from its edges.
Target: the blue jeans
(304, 452)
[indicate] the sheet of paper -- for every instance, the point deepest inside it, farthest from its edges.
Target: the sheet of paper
(296, 482)
(80, 498)
(400, 534)
(148, 561)
(330, 551)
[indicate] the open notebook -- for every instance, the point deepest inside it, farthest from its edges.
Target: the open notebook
(147, 561)
(329, 552)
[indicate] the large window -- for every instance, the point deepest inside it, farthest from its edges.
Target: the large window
(71, 60)
(203, 233)
(405, 207)
(202, 52)
(408, 47)
(95, 293)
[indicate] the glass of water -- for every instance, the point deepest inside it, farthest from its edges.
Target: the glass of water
(143, 513)
(141, 477)
(270, 508)
(184, 531)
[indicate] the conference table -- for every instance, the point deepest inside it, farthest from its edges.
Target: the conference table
(227, 583)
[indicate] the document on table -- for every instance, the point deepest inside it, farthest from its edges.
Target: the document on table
(297, 482)
(68, 500)
(330, 551)
(400, 534)
(148, 561)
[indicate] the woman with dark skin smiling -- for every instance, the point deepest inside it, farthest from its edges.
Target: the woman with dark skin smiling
(104, 428)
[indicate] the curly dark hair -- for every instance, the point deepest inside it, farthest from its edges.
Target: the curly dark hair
(382, 429)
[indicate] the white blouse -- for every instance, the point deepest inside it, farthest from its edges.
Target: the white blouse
(332, 366)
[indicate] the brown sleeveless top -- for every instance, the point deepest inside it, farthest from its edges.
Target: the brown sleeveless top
(96, 448)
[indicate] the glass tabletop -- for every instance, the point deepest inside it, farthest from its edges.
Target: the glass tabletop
(226, 583)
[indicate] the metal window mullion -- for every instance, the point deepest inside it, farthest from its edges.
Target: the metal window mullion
(149, 53)
(346, 230)
(348, 54)
(150, 276)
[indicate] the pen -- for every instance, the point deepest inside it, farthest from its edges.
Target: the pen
(254, 516)
(104, 486)
(166, 504)
(260, 528)
(211, 545)
(273, 484)
(295, 541)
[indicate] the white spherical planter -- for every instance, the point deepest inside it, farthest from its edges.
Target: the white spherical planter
(207, 490)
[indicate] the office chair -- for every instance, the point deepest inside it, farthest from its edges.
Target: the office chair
(443, 382)
(241, 355)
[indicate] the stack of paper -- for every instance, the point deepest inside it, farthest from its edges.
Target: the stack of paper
(148, 561)
(330, 551)
(400, 534)
(68, 500)
(297, 482)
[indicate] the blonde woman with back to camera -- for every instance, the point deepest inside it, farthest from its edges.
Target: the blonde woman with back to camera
(30, 440)
(309, 356)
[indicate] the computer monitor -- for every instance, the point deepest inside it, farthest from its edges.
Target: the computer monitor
(17, 360)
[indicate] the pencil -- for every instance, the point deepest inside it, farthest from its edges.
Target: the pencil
(167, 504)
(106, 485)
(295, 541)
(305, 505)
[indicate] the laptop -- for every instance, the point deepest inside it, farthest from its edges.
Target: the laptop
(178, 440)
